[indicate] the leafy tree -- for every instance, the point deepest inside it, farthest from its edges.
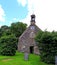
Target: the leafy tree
(4, 27)
(47, 43)
(18, 28)
(5, 30)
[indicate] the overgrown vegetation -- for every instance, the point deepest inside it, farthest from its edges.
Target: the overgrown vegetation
(47, 43)
(9, 37)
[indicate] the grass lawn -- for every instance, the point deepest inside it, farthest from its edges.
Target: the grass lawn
(18, 59)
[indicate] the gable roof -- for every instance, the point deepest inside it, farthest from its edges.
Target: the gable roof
(27, 32)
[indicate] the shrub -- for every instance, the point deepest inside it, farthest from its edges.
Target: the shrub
(47, 42)
(8, 45)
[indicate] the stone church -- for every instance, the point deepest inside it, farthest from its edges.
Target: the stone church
(26, 40)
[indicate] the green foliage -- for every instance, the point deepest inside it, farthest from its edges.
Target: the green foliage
(8, 45)
(18, 28)
(47, 45)
(15, 28)
(5, 30)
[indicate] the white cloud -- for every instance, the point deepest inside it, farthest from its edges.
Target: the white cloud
(23, 2)
(45, 11)
(2, 14)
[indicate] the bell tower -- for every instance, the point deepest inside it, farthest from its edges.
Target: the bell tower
(32, 19)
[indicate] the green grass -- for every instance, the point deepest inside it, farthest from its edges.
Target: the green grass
(18, 59)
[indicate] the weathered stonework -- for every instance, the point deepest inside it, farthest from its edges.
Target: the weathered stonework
(26, 40)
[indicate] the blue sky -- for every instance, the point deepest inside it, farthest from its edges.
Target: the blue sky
(20, 10)
(13, 10)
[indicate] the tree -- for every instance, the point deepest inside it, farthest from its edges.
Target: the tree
(5, 30)
(47, 43)
(18, 28)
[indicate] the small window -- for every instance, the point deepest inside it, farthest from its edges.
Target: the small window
(32, 27)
